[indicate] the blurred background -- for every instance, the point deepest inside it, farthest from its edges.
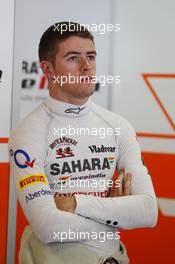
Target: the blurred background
(142, 53)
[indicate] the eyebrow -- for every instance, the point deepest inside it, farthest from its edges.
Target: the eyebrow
(93, 52)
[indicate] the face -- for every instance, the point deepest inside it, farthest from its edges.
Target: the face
(75, 64)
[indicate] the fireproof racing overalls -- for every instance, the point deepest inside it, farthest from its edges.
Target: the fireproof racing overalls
(63, 149)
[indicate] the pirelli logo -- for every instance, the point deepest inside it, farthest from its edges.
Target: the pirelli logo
(32, 179)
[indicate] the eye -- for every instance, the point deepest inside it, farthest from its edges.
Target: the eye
(73, 58)
(91, 57)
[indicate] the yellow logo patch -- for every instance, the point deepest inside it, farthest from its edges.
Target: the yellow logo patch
(32, 179)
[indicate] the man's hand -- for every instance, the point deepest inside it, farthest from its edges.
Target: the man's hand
(67, 204)
(122, 186)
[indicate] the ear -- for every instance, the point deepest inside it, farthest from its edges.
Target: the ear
(48, 69)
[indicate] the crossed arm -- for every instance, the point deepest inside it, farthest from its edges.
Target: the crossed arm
(68, 204)
(129, 211)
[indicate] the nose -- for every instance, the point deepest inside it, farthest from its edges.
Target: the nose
(84, 64)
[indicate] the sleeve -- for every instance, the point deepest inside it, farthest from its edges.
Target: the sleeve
(27, 150)
(127, 212)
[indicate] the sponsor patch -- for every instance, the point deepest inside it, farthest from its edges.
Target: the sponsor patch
(74, 110)
(22, 159)
(101, 149)
(111, 159)
(101, 194)
(63, 141)
(37, 194)
(64, 153)
(73, 166)
(32, 179)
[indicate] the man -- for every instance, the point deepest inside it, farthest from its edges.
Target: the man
(59, 159)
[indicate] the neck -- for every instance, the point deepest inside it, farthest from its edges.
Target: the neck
(70, 99)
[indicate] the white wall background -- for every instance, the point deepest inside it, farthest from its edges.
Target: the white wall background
(145, 45)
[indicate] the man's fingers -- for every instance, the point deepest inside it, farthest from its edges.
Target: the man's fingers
(127, 185)
(118, 189)
(122, 186)
(120, 181)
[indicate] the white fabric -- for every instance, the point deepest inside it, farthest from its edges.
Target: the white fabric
(90, 157)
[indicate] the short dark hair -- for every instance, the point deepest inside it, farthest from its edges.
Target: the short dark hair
(57, 33)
